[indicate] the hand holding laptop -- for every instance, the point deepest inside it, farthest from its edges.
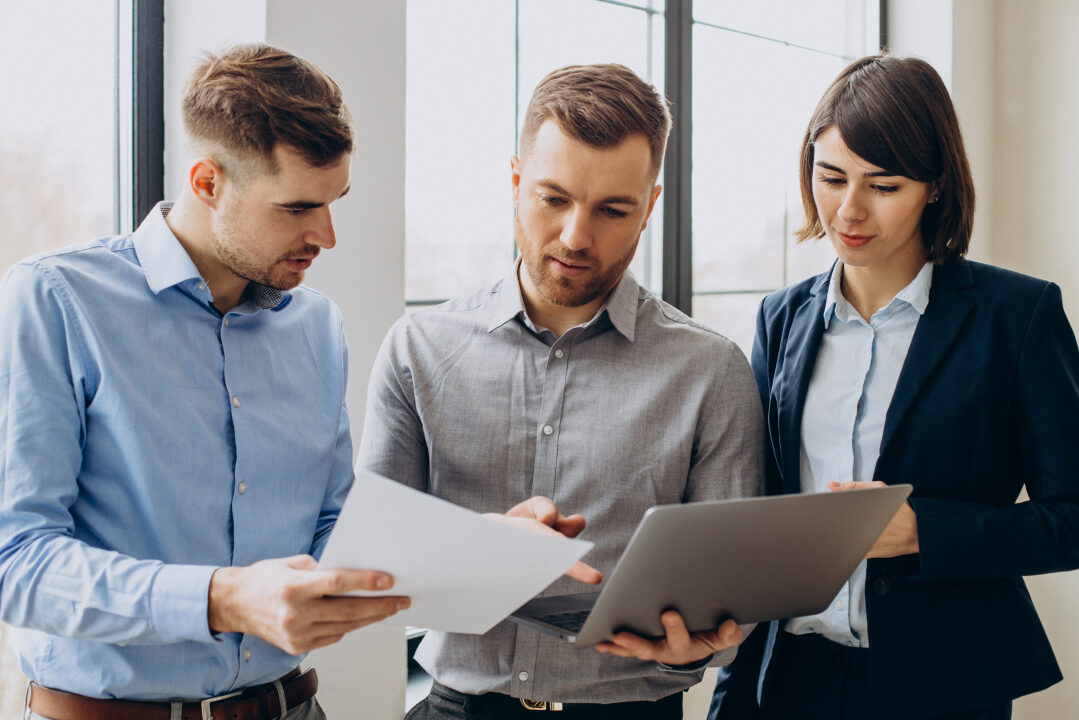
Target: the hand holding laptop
(679, 647)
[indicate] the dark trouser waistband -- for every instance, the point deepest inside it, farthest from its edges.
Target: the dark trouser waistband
(259, 702)
(499, 705)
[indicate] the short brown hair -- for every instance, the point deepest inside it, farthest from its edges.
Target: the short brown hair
(247, 100)
(599, 105)
(895, 113)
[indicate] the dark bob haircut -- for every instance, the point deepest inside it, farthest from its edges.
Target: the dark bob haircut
(895, 113)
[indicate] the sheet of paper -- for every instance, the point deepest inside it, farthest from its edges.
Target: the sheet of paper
(464, 572)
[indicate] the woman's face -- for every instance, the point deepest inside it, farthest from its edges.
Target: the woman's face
(872, 217)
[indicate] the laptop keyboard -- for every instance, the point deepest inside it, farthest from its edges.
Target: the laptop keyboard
(572, 620)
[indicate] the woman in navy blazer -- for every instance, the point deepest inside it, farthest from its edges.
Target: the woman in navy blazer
(906, 363)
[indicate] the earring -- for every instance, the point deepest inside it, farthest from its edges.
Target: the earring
(935, 198)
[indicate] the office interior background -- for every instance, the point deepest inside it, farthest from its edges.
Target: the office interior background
(90, 134)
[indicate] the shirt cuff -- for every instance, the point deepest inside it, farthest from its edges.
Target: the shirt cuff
(179, 601)
(688, 667)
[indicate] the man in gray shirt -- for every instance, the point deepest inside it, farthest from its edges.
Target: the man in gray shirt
(567, 379)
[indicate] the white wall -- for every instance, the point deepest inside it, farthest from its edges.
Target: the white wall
(361, 44)
(1008, 65)
(1036, 151)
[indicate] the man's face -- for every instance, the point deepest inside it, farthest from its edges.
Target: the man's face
(580, 212)
(269, 228)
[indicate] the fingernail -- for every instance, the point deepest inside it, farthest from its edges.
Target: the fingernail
(404, 604)
(382, 583)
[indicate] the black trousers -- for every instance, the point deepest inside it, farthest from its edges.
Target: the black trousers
(811, 678)
(447, 704)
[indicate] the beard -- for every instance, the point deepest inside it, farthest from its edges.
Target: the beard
(570, 292)
(231, 252)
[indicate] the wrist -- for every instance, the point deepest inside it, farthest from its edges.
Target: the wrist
(220, 605)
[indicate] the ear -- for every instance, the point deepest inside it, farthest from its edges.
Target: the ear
(651, 204)
(515, 178)
(206, 180)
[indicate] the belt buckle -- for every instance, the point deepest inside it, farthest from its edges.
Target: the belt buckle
(541, 705)
(204, 705)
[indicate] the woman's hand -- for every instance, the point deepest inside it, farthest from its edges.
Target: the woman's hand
(901, 535)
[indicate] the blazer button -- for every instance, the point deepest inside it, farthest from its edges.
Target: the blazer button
(882, 585)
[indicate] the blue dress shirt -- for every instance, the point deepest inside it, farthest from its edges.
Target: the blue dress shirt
(854, 379)
(146, 440)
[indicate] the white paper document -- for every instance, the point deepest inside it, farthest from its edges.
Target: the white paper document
(464, 573)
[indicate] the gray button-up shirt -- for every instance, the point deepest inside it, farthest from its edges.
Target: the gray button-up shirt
(640, 406)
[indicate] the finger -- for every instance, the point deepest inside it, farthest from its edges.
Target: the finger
(301, 562)
(571, 526)
(543, 509)
(354, 609)
(339, 582)
(615, 650)
(678, 638)
(626, 644)
(729, 634)
(585, 573)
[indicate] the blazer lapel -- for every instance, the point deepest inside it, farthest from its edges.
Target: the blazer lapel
(937, 330)
(799, 357)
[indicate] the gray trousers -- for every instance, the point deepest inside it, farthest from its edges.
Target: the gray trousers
(310, 710)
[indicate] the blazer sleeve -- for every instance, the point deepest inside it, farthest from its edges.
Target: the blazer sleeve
(975, 541)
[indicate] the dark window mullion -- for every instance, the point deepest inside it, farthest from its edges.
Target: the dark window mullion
(148, 107)
(677, 220)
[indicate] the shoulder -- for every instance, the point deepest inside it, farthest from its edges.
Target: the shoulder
(89, 269)
(993, 289)
(779, 307)
(667, 320)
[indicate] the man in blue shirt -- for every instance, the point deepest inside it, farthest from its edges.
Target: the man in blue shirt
(174, 441)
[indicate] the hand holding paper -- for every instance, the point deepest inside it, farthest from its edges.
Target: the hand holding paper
(462, 572)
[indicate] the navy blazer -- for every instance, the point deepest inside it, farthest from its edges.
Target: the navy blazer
(987, 402)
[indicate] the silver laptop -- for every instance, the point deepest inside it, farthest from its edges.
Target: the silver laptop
(752, 559)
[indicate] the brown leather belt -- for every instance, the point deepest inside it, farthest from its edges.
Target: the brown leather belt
(259, 702)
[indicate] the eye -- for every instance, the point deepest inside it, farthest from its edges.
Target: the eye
(295, 211)
(552, 200)
(832, 180)
(885, 189)
(613, 213)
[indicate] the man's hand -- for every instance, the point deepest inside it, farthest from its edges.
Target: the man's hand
(679, 647)
(901, 535)
(541, 515)
(287, 602)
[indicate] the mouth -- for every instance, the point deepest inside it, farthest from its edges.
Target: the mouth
(298, 264)
(569, 268)
(853, 241)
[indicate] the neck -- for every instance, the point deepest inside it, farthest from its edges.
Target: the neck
(556, 318)
(190, 222)
(868, 289)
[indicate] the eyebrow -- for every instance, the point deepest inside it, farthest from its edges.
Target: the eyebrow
(841, 171)
(310, 204)
(612, 200)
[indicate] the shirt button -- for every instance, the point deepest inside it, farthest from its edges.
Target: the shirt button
(235, 401)
(247, 655)
(226, 322)
(839, 605)
(559, 354)
(522, 676)
(202, 287)
(547, 429)
(241, 488)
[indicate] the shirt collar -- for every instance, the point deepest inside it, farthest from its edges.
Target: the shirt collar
(166, 264)
(915, 294)
(620, 306)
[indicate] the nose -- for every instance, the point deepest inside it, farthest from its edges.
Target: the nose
(852, 209)
(322, 233)
(576, 231)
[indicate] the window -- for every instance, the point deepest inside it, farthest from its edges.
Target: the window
(746, 77)
(471, 68)
(79, 157)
